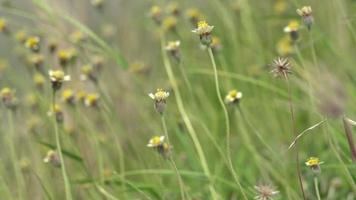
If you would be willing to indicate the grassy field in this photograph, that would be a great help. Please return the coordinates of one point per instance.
(190, 100)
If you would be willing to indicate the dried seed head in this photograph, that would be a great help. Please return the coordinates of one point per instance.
(281, 67)
(265, 192)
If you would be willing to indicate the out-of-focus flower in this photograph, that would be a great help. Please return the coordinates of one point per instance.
(194, 16)
(68, 96)
(292, 29)
(91, 100)
(285, 46)
(173, 49)
(57, 77)
(24, 164)
(156, 14)
(169, 23)
(173, 9)
(108, 30)
(281, 67)
(98, 3)
(80, 96)
(280, 6)
(32, 101)
(39, 80)
(139, 67)
(52, 157)
(77, 37)
(66, 56)
(57, 111)
(314, 164)
(160, 100)
(52, 45)
(21, 36)
(88, 73)
(3, 26)
(8, 98)
(265, 192)
(233, 97)
(204, 31)
(98, 62)
(3, 66)
(33, 43)
(36, 60)
(216, 44)
(307, 15)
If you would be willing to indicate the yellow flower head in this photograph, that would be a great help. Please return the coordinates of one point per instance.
(173, 45)
(156, 141)
(203, 28)
(169, 23)
(6, 92)
(91, 100)
(21, 36)
(155, 11)
(58, 76)
(68, 95)
(33, 43)
(304, 11)
(313, 162)
(3, 24)
(160, 95)
(293, 26)
(233, 97)
(38, 79)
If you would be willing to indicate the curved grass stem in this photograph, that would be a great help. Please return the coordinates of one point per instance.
(11, 138)
(186, 119)
(174, 166)
(67, 187)
(227, 122)
(299, 174)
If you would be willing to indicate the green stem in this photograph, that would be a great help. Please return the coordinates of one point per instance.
(180, 180)
(227, 123)
(299, 174)
(11, 138)
(316, 187)
(186, 119)
(67, 187)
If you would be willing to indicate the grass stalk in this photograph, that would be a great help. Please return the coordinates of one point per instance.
(295, 134)
(227, 123)
(174, 166)
(186, 119)
(67, 186)
(11, 140)
(316, 186)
